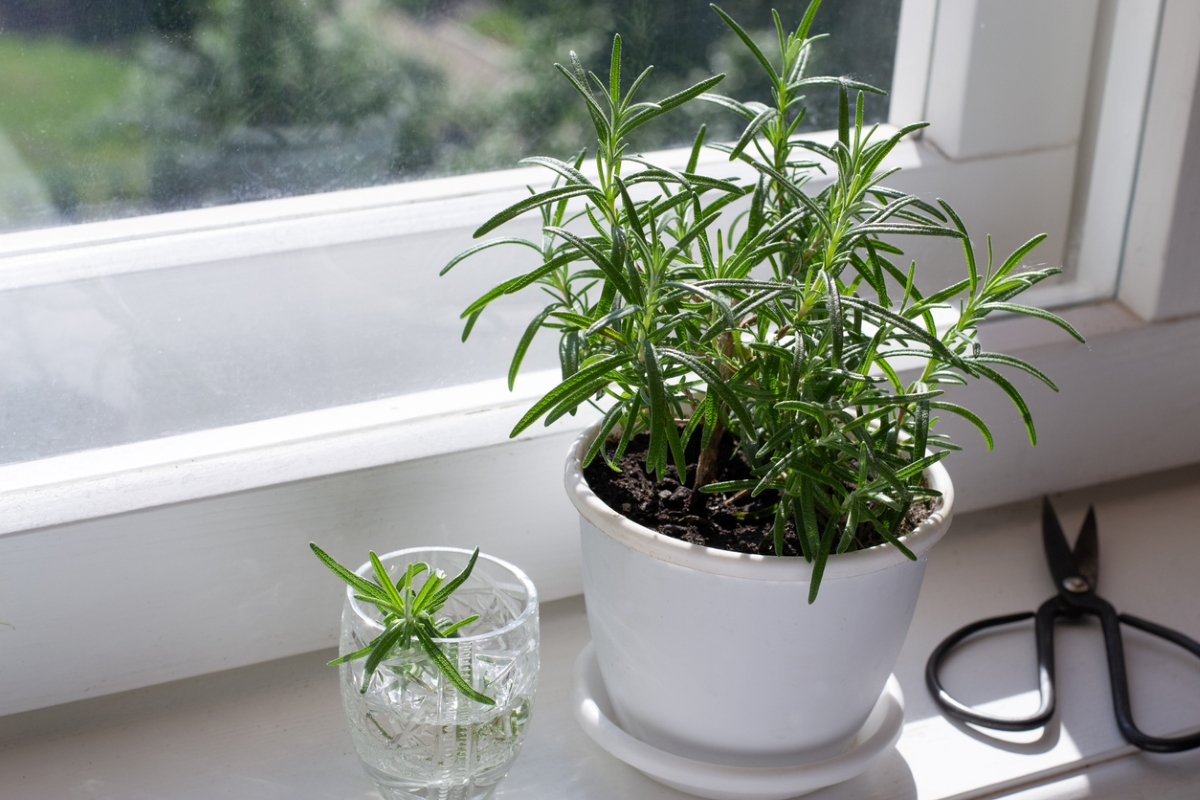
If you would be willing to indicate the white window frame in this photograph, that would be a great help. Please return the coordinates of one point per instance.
(358, 475)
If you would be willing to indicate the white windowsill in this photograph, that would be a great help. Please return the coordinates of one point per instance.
(275, 729)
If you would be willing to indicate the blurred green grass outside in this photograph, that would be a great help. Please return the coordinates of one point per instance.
(53, 95)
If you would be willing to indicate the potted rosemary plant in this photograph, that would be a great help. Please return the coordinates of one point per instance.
(765, 439)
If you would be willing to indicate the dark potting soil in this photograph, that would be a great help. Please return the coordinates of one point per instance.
(733, 521)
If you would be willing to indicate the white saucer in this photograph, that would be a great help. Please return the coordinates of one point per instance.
(589, 700)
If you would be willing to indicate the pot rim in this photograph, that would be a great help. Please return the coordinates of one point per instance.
(746, 565)
(531, 596)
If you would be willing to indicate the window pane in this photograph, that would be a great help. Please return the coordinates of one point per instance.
(114, 108)
(143, 355)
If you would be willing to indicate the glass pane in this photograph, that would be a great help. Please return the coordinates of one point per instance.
(115, 108)
(143, 355)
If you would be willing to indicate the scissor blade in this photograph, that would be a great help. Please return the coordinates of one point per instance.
(1087, 549)
(1058, 553)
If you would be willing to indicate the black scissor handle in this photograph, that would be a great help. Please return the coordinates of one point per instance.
(1044, 631)
(1115, 650)
(1110, 623)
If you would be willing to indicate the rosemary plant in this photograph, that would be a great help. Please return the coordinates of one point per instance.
(779, 324)
(409, 624)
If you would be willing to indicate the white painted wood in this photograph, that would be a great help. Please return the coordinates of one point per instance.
(179, 590)
(434, 216)
(910, 73)
(175, 469)
(1124, 84)
(1126, 400)
(1008, 75)
(276, 730)
(984, 193)
(1011, 333)
(1159, 275)
(1180, 294)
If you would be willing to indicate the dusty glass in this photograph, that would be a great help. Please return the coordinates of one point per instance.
(416, 735)
(118, 108)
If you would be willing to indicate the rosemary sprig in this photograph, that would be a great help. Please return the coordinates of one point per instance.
(408, 615)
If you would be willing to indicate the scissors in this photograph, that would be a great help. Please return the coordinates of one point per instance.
(1074, 574)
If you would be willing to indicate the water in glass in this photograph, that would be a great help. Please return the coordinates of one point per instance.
(416, 735)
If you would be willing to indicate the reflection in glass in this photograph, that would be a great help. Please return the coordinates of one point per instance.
(117, 108)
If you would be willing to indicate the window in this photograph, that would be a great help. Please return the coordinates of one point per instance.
(119, 109)
(133, 336)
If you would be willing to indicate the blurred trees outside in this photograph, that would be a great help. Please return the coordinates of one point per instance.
(122, 107)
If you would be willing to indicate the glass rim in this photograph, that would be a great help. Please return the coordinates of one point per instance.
(531, 600)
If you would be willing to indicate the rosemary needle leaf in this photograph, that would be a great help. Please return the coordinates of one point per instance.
(363, 586)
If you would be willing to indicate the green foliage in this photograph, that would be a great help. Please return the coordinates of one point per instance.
(268, 63)
(272, 98)
(176, 17)
(408, 613)
(779, 324)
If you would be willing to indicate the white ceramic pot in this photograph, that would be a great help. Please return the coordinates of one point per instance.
(717, 656)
